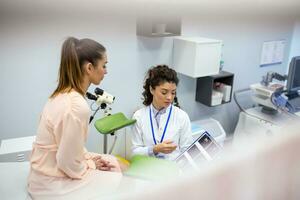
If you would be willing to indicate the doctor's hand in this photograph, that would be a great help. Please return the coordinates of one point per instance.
(102, 164)
(165, 147)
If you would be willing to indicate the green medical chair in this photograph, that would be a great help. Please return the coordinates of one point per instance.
(110, 124)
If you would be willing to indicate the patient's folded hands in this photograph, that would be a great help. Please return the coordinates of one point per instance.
(102, 165)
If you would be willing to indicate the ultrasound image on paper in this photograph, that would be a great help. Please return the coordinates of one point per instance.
(205, 148)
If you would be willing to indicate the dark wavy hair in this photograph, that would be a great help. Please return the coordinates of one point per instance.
(155, 76)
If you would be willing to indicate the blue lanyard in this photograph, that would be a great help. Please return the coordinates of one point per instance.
(153, 136)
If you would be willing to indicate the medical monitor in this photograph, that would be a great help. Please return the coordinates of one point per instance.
(293, 80)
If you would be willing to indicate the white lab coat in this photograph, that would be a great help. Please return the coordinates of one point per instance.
(178, 130)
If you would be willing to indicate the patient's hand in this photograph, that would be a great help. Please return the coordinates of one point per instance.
(165, 147)
(102, 164)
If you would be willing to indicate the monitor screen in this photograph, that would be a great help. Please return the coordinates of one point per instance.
(293, 80)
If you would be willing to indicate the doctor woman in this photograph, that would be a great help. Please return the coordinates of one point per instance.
(162, 129)
(60, 165)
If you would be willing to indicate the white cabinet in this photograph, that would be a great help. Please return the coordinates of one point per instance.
(196, 57)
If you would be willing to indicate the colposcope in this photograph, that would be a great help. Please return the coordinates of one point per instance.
(110, 122)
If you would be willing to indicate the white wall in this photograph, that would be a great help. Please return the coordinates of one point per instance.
(30, 53)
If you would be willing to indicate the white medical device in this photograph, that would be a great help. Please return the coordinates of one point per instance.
(103, 97)
(265, 90)
(110, 122)
(262, 95)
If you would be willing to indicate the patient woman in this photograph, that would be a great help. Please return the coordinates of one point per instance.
(60, 164)
(162, 129)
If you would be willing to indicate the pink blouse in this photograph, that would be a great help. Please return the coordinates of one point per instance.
(58, 154)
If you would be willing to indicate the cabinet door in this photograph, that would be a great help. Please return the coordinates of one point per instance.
(207, 61)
